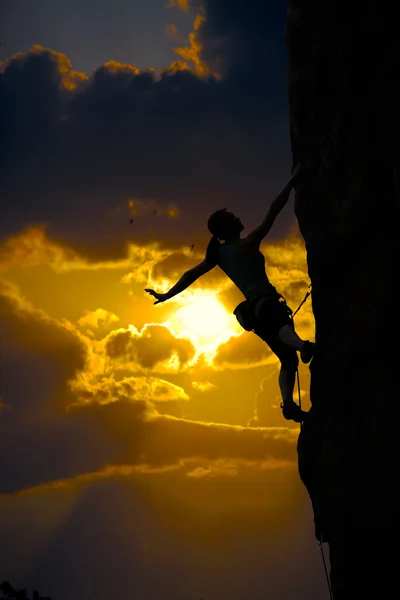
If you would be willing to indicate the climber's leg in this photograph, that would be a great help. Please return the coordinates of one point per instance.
(287, 375)
(289, 337)
(272, 319)
(286, 380)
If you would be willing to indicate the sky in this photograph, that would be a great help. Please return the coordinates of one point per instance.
(143, 448)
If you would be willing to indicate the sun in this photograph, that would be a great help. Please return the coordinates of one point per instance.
(206, 318)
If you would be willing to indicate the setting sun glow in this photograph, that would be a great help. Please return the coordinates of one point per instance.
(205, 317)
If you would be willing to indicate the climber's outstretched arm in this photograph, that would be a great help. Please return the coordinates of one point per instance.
(257, 235)
(187, 279)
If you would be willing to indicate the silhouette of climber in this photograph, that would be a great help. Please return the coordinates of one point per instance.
(265, 311)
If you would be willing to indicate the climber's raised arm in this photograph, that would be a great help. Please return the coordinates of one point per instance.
(190, 276)
(257, 235)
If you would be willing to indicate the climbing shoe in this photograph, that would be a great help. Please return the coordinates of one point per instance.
(293, 412)
(308, 352)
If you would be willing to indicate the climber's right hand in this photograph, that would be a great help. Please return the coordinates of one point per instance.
(157, 296)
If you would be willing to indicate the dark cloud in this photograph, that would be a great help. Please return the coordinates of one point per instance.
(172, 266)
(38, 355)
(165, 535)
(75, 150)
(246, 350)
(243, 41)
(155, 344)
(175, 264)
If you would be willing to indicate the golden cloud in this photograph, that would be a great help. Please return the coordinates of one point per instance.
(192, 52)
(32, 248)
(286, 265)
(154, 347)
(175, 67)
(243, 352)
(210, 441)
(108, 422)
(218, 468)
(181, 4)
(170, 265)
(70, 80)
(146, 390)
(265, 409)
(94, 318)
(202, 386)
(114, 66)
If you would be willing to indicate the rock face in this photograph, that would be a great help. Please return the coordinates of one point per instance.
(344, 93)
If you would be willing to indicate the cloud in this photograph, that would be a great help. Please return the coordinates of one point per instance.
(155, 346)
(181, 4)
(120, 169)
(66, 417)
(192, 52)
(168, 269)
(217, 469)
(150, 395)
(96, 317)
(242, 352)
(91, 436)
(265, 405)
(173, 266)
(38, 354)
(240, 41)
(180, 142)
(202, 386)
(68, 79)
(33, 247)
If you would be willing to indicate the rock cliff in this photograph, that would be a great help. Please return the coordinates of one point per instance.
(344, 94)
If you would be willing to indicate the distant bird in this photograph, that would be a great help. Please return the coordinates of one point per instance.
(131, 221)
(191, 247)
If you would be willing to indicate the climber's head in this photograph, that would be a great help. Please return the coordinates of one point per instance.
(225, 225)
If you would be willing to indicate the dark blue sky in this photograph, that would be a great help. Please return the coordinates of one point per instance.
(92, 33)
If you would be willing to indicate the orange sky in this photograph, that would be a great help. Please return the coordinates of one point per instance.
(135, 392)
(143, 446)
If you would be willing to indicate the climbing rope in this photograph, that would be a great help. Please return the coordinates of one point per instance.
(302, 302)
(297, 370)
(320, 541)
(325, 569)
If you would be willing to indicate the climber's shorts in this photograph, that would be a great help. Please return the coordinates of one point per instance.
(271, 315)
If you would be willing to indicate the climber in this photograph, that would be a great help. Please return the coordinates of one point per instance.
(264, 311)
